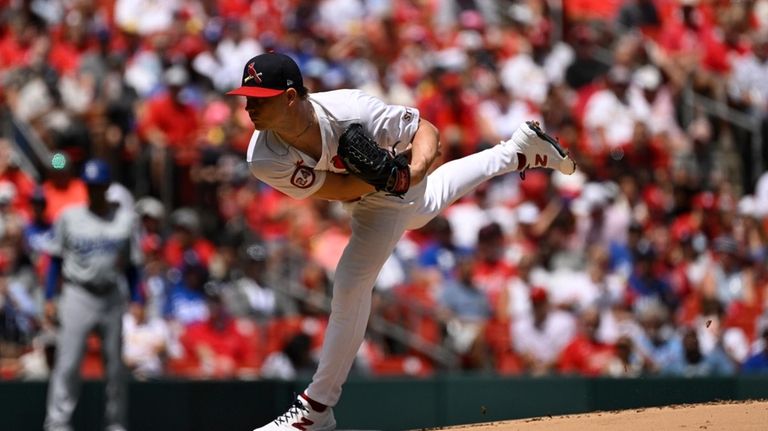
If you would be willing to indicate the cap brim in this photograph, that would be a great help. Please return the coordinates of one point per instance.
(255, 92)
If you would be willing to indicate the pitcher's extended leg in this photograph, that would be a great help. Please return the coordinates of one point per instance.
(529, 147)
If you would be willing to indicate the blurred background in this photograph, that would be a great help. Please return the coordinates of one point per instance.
(650, 261)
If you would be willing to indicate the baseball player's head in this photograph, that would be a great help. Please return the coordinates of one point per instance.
(59, 170)
(271, 83)
(97, 177)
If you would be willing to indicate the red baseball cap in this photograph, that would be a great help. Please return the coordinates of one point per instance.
(268, 75)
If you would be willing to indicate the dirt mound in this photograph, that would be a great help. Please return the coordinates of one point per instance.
(721, 416)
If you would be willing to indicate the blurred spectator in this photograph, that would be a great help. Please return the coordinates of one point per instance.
(540, 337)
(530, 224)
(61, 188)
(491, 273)
(11, 222)
(11, 172)
(186, 238)
(37, 233)
(688, 360)
(607, 132)
(523, 78)
(501, 113)
(627, 362)
(146, 343)
(186, 297)
(219, 346)
(294, 360)
(328, 244)
(621, 257)
(529, 274)
(748, 92)
(170, 127)
(440, 252)
(648, 282)
(156, 276)
(224, 264)
(144, 17)
(586, 354)
(655, 341)
(247, 295)
(452, 108)
(724, 278)
(151, 213)
(234, 45)
(652, 103)
(687, 39)
(640, 14)
(589, 208)
(474, 211)
(466, 310)
(586, 67)
(37, 362)
(16, 320)
(758, 362)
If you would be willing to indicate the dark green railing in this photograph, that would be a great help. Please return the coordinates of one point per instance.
(381, 404)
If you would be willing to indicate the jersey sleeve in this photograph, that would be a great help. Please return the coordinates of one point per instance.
(389, 124)
(55, 246)
(295, 180)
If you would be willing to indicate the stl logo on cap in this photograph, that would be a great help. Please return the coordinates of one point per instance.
(268, 75)
(252, 74)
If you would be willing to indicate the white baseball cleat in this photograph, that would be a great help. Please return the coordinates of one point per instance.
(536, 149)
(301, 416)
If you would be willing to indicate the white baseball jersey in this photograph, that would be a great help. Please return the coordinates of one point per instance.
(378, 220)
(298, 175)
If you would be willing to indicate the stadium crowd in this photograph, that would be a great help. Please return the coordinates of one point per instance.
(650, 260)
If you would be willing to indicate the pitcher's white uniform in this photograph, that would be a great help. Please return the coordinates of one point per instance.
(377, 221)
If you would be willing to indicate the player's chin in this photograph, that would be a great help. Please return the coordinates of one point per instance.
(258, 126)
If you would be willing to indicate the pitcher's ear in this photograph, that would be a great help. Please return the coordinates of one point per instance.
(291, 94)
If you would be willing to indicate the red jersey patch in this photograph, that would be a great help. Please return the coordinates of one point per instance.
(337, 163)
(303, 177)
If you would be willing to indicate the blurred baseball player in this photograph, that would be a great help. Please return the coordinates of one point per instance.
(95, 254)
(349, 146)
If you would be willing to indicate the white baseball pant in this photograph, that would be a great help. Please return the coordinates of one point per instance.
(378, 221)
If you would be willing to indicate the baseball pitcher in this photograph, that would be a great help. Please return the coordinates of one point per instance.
(349, 146)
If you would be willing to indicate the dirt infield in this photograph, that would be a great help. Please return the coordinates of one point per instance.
(724, 416)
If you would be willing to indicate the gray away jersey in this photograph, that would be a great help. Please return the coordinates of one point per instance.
(95, 250)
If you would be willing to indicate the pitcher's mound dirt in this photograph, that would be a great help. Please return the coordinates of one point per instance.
(722, 416)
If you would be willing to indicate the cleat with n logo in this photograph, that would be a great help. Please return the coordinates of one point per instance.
(303, 424)
(302, 417)
(536, 149)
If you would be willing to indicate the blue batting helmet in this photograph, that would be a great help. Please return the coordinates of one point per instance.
(96, 172)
